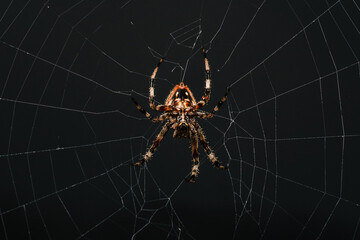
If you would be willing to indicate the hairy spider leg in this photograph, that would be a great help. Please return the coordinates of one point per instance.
(155, 144)
(220, 103)
(213, 159)
(164, 108)
(207, 92)
(204, 115)
(205, 99)
(194, 143)
(161, 118)
(152, 104)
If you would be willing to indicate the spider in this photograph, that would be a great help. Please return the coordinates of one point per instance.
(179, 111)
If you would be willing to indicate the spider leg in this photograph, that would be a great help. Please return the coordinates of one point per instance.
(194, 141)
(161, 118)
(152, 89)
(213, 159)
(155, 144)
(216, 108)
(205, 99)
(220, 103)
(207, 93)
(164, 108)
(198, 114)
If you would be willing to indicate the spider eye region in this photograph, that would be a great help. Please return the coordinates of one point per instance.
(182, 94)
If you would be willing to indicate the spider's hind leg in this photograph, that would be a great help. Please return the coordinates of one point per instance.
(155, 145)
(213, 159)
(194, 141)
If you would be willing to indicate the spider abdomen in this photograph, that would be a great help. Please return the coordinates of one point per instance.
(182, 130)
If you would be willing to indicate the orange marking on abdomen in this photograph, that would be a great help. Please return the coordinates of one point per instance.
(186, 104)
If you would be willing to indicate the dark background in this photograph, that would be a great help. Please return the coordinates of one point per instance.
(289, 131)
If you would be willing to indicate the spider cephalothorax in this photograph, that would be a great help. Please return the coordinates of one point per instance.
(179, 111)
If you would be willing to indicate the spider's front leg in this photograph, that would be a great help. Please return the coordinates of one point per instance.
(155, 144)
(153, 106)
(205, 99)
(195, 153)
(152, 89)
(207, 93)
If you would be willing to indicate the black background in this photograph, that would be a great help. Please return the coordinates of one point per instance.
(289, 131)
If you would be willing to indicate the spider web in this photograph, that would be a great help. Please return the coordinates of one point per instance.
(289, 130)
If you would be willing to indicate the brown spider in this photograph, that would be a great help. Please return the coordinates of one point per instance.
(180, 110)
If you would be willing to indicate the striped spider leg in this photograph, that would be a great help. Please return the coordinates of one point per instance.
(155, 144)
